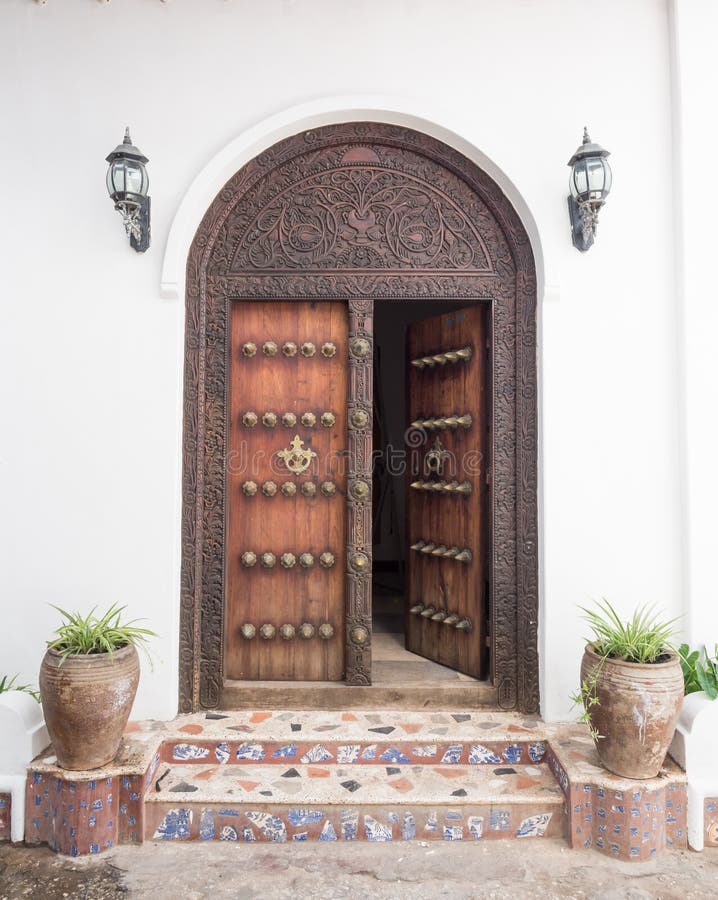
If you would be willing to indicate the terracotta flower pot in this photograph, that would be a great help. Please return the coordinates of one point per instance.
(87, 700)
(637, 710)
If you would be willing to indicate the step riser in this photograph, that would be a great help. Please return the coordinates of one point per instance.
(167, 821)
(327, 752)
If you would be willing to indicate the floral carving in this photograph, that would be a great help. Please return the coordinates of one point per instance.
(360, 217)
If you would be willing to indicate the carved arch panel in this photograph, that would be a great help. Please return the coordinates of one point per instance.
(361, 212)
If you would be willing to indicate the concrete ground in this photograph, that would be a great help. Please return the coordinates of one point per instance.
(495, 870)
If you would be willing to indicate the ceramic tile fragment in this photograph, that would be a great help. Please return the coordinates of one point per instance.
(512, 753)
(425, 750)
(375, 831)
(453, 833)
(304, 816)
(534, 826)
(189, 751)
(174, 826)
(369, 752)
(479, 754)
(476, 826)
(408, 827)
(403, 785)
(260, 717)
(300, 836)
(453, 754)
(192, 729)
(318, 753)
(393, 754)
(206, 825)
(221, 752)
(227, 833)
(288, 751)
(348, 753)
(431, 822)
(499, 820)
(255, 752)
(327, 832)
(349, 824)
(271, 826)
(537, 751)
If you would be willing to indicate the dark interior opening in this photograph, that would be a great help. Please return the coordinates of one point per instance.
(389, 539)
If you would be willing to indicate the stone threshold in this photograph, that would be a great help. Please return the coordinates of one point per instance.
(285, 775)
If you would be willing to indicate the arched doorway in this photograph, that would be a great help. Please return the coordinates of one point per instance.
(357, 214)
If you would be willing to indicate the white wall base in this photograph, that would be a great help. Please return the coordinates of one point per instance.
(693, 748)
(24, 735)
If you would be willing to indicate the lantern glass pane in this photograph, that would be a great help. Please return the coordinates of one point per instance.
(135, 178)
(608, 177)
(579, 180)
(109, 181)
(596, 174)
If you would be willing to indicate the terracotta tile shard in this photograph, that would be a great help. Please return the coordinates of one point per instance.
(522, 782)
(450, 772)
(315, 772)
(260, 716)
(249, 785)
(517, 728)
(410, 727)
(131, 727)
(402, 785)
(192, 729)
(348, 717)
(206, 773)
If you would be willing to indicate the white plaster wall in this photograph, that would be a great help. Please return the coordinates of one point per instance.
(90, 353)
(695, 31)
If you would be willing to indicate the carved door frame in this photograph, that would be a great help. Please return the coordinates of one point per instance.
(252, 244)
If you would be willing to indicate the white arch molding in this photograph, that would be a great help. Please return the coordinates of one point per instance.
(410, 113)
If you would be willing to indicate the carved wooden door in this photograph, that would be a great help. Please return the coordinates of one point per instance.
(447, 502)
(286, 508)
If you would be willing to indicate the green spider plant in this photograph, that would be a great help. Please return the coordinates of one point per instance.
(644, 638)
(80, 635)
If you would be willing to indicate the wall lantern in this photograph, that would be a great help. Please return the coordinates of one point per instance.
(590, 183)
(127, 184)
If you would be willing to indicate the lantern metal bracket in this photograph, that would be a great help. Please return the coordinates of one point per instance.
(584, 222)
(136, 219)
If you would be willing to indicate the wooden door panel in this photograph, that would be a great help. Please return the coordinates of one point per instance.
(449, 518)
(281, 523)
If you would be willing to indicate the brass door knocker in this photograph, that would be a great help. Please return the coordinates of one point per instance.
(297, 457)
(434, 459)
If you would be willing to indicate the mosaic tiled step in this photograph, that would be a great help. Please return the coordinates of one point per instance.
(333, 802)
(343, 752)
